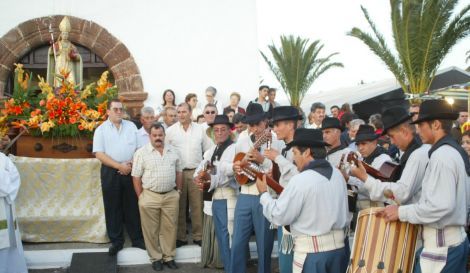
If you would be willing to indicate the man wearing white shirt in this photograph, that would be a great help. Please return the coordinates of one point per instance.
(316, 116)
(222, 184)
(407, 188)
(210, 111)
(248, 212)
(169, 116)
(147, 117)
(189, 138)
(314, 205)
(372, 154)
(284, 119)
(442, 209)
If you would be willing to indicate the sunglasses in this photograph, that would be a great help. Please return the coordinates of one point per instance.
(210, 112)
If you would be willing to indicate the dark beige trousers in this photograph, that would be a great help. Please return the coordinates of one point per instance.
(159, 214)
(193, 195)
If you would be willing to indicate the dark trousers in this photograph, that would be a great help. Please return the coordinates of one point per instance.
(120, 206)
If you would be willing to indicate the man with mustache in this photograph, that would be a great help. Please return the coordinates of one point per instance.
(156, 174)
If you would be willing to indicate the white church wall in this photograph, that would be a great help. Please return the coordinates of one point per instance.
(180, 44)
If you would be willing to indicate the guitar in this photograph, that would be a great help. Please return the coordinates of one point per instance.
(204, 176)
(352, 194)
(242, 177)
(386, 172)
(253, 172)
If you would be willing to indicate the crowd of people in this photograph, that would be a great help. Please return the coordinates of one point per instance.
(206, 176)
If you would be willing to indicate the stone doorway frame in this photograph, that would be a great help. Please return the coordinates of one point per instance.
(35, 32)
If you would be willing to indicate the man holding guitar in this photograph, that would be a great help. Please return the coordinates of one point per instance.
(372, 154)
(318, 232)
(248, 211)
(407, 189)
(284, 119)
(222, 184)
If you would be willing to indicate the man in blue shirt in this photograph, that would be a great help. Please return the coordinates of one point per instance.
(114, 144)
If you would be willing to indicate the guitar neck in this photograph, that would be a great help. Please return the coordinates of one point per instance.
(271, 183)
(371, 170)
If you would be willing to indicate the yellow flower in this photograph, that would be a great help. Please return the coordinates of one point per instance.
(19, 69)
(87, 92)
(45, 87)
(46, 126)
(103, 79)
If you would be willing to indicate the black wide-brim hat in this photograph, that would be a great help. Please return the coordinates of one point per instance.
(365, 133)
(285, 113)
(221, 119)
(329, 122)
(393, 117)
(435, 109)
(254, 113)
(307, 138)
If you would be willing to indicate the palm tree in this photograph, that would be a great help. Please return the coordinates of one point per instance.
(423, 33)
(297, 65)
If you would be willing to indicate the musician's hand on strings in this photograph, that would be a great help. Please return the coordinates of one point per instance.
(271, 154)
(344, 173)
(359, 171)
(236, 167)
(197, 180)
(390, 213)
(255, 156)
(262, 185)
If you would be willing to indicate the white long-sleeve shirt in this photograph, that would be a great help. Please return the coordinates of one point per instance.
(311, 204)
(335, 157)
(223, 176)
(443, 200)
(243, 145)
(286, 167)
(363, 194)
(190, 143)
(408, 188)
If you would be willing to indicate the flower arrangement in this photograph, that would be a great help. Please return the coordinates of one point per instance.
(57, 112)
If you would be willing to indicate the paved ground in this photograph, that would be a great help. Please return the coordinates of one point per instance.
(183, 268)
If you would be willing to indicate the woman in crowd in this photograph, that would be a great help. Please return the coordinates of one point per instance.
(168, 99)
(234, 104)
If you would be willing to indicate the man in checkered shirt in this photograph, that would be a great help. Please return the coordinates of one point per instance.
(158, 179)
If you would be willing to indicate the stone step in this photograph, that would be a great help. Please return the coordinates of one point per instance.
(57, 258)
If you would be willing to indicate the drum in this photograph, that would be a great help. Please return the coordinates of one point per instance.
(382, 247)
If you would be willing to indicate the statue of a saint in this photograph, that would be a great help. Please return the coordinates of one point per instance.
(64, 56)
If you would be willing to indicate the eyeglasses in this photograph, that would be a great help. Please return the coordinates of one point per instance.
(115, 110)
(210, 112)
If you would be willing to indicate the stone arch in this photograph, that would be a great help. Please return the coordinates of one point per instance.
(33, 33)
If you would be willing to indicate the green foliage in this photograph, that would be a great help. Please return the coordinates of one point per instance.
(297, 65)
(424, 31)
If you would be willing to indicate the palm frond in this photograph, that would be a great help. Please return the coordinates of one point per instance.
(296, 65)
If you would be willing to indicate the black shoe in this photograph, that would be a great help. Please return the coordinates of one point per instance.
(114, 249)
(180, 243)
(198, 242)
(171, 264)
(140, 245)
(157, 266)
